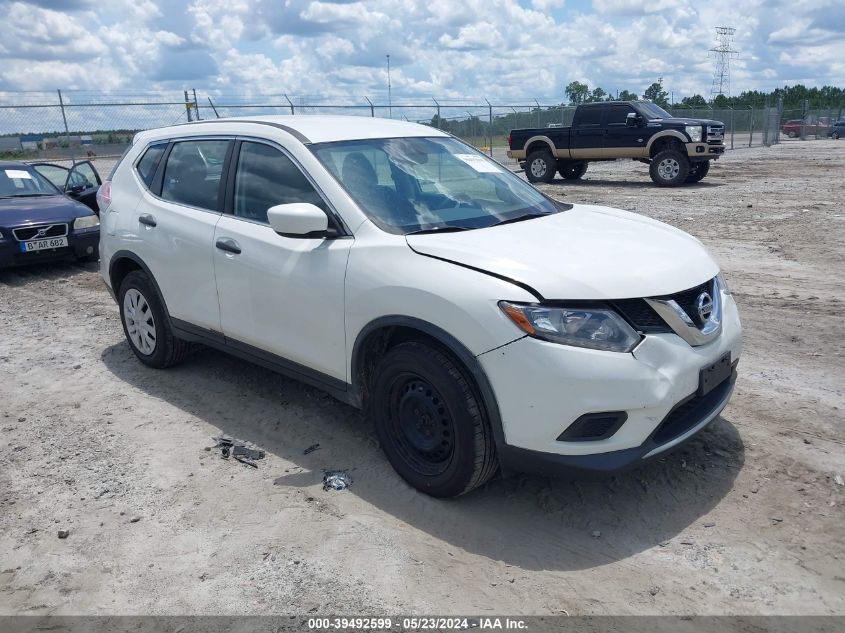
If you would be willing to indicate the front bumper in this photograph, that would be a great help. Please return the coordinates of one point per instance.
(541, 388)
(80, 244)
(704, 150)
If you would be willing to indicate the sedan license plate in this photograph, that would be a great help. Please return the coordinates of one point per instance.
(713, 375)
(43, 245)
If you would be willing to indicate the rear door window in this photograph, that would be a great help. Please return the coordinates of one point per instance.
(590, 115)
(192, 173)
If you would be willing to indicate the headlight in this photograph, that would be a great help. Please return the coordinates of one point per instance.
(723, 284)
(86, 222)
(694, 133)
(595, 328)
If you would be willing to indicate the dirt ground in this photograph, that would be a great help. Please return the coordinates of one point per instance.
(747, 519)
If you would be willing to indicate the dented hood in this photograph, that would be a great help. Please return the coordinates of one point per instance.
(587, 252)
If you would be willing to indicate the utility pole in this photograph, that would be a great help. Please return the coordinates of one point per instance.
(389, 96)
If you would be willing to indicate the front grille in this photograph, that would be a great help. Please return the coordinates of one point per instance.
(643, 317)
(32, 232)
(715, 134)
(692, 411)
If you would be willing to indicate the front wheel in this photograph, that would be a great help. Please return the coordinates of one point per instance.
(697, 171)
(540, 166)
(430, 423)
(835, 136)
(571, 171)
(669, 168)
(792, 134)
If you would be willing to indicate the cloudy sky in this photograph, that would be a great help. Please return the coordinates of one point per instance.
(499, 49)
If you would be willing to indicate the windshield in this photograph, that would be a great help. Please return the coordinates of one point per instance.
(407, 185)
(652, 111)
(23, 181)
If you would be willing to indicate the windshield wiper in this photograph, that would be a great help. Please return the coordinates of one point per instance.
(30, 195)
(520, 218)
(440, 229)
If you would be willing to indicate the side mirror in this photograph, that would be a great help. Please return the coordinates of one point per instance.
(298, 219)
(632, 119)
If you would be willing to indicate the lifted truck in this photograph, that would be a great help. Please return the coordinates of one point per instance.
(678, 150)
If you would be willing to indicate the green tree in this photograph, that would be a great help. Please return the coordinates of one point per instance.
(656, 94)
(597, 95)
(695, 101)
(627, 96)
(577, 92)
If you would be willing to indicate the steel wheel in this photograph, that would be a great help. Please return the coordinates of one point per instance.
(668, 168)
(139, 321)
(421, 425)
(539, 168)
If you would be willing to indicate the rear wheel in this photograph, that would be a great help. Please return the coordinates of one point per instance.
(698, 170)
(669, 168)
(540, 166)
(146, 324)
(571, 170)
(835, 135)
(792, 134)
(430, 423)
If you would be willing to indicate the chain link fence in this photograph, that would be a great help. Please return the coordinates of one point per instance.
(78, 124)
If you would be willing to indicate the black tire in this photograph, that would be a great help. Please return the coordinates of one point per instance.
(835, 136)
(429, 421)
(571, 171)
(792, 134)
(697, 171)
(540, 166)
(166, 349)
(669, 168)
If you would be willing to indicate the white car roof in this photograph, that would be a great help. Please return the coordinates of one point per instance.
(312, 128)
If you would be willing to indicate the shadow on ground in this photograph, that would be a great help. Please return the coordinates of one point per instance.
(530, 522)
(634, 184)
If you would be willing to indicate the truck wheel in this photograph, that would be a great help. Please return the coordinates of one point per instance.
(835, 136)
(669, 168)
(429, 421)
(698, 170)
(540, 166)
(571, 171)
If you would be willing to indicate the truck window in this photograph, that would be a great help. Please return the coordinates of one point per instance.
(617, 114)
(589, 115)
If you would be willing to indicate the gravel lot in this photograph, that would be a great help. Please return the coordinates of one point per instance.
(748, 519)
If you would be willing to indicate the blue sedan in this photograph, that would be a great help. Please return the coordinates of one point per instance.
(38, 222)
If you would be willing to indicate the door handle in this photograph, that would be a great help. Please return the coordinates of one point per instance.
(147, 220)
(229, 245)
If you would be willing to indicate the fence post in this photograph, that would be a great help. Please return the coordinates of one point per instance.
(438, 110)
(196, 105)
(751, 126)
(372, 108)
(187, 106)
(292, 111)
(211, 103)
(538, 112)
(732, 128)
(490, 120)
(67, 131)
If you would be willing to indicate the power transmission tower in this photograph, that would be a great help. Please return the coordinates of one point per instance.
(722, 53)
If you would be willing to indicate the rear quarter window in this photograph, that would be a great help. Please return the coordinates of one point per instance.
(146, 167)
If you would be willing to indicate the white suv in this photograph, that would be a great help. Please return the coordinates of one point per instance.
(483, 325)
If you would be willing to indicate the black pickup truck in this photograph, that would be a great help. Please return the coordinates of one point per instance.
(678, 150)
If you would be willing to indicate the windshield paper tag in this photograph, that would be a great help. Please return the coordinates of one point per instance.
(18, 173)
(478, 163)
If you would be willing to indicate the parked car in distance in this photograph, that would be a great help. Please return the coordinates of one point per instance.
(793, 128)
(837, 130)
(80, 181)
(484, 326)
(38, 222)
(677, 150)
